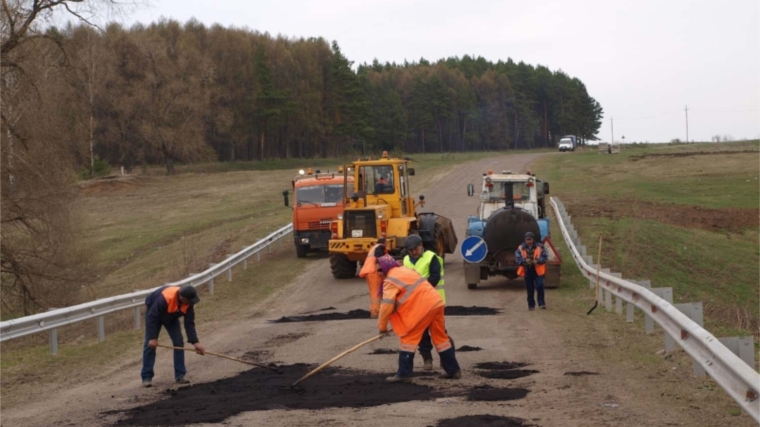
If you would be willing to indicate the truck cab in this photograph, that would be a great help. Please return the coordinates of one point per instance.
(318, 200)
(568, 143)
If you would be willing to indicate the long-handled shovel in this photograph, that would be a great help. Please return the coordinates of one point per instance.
(326, 364)
(225, 357)
(598, 270)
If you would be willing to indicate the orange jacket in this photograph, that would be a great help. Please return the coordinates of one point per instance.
(374, 279)
(540, 268)
(407, 299)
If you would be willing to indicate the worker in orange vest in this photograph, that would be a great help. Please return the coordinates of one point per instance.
(412, 306)
(374, 278)
(531, 257)
(165, 306)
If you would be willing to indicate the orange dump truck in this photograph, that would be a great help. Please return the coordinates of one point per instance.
(318, 201)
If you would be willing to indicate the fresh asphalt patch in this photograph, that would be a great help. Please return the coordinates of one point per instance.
(500, 365)
(453, 310)
(581, 373)
(496, 394)
(383, 351)
(507, 375)
(261, 390)
(483, 421)
(468, 348)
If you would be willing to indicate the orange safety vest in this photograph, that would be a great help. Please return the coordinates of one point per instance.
(374, 281)
(171, 295)
(415, 299)
(540, 268)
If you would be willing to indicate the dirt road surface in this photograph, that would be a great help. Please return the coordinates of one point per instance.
(597, 394)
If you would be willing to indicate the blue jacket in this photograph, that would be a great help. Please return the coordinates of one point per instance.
(158, 314)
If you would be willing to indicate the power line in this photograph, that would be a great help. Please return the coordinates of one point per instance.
(686, 109)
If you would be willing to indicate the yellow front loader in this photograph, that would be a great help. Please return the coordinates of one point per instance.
(379, 208)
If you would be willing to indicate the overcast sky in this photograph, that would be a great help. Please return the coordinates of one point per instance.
(642, 60)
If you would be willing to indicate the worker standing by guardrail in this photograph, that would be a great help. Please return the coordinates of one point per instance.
(531, 257)
(165, 306)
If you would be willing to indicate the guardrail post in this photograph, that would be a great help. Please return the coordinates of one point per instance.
(582, 250)
(607, 294)
(618, 300)
(211, 286)
(694, 311)
(744, 347)
(137, 317)
(667, 295)
(269, 247)
(101, 328)
(648, 322)
(629, 309)
(53, 338)
(245, 264)
(258, 255)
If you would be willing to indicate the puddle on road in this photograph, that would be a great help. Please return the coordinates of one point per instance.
(483, 421)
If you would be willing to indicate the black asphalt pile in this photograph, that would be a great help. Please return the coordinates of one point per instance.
(454, 310)
(353, 314)
(384, 351)
(468, 348)
(504, 370)
(581, 373)
(261, 390)
(500, 365)
(495, 394)
(458, 310)
(483, 421)
(507, 375)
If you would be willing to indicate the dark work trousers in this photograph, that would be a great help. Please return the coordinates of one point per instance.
(426, 345)
(149, 354)
(534, 284)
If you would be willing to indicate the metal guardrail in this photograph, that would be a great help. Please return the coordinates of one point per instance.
(739, 380)
(57, 318)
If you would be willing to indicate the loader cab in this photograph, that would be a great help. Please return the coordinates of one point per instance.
(384, 181)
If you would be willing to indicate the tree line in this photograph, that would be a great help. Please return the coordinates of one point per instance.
(79, 98)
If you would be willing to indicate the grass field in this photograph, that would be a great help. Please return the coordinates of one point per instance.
(684, 216)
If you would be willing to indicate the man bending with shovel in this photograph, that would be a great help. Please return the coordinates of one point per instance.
(412, 306)
(165, 306)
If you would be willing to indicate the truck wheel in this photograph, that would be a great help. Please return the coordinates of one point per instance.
(342, 267)
(472, 286)
(302, 251)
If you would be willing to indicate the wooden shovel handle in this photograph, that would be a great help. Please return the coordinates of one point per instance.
(324, 365)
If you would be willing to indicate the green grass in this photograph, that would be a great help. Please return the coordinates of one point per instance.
(719, 268)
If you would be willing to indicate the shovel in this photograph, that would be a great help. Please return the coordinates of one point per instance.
(326, 364)
(225, 357)
(598, 270)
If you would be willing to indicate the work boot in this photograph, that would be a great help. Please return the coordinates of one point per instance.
(427, 360)
(455, 376)
(147, 383)
(405, 364)
(182, 380)
(449, 362)
(398, 379)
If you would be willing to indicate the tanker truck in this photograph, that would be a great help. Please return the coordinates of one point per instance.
(510, 206)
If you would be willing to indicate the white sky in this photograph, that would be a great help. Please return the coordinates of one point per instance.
(642, 60)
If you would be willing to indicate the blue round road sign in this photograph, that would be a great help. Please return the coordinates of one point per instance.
(474, 249)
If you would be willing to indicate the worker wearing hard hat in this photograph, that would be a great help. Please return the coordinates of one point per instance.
(165, 306)
(374, 277)
(430, 266)
(531, 258)
(412, 305)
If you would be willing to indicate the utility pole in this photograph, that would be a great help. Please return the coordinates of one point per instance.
(612, 130)
(686, 109)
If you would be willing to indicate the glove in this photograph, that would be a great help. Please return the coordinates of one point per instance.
(385, 333)
(528, 262)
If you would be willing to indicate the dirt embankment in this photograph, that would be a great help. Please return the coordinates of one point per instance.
(735, 220)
